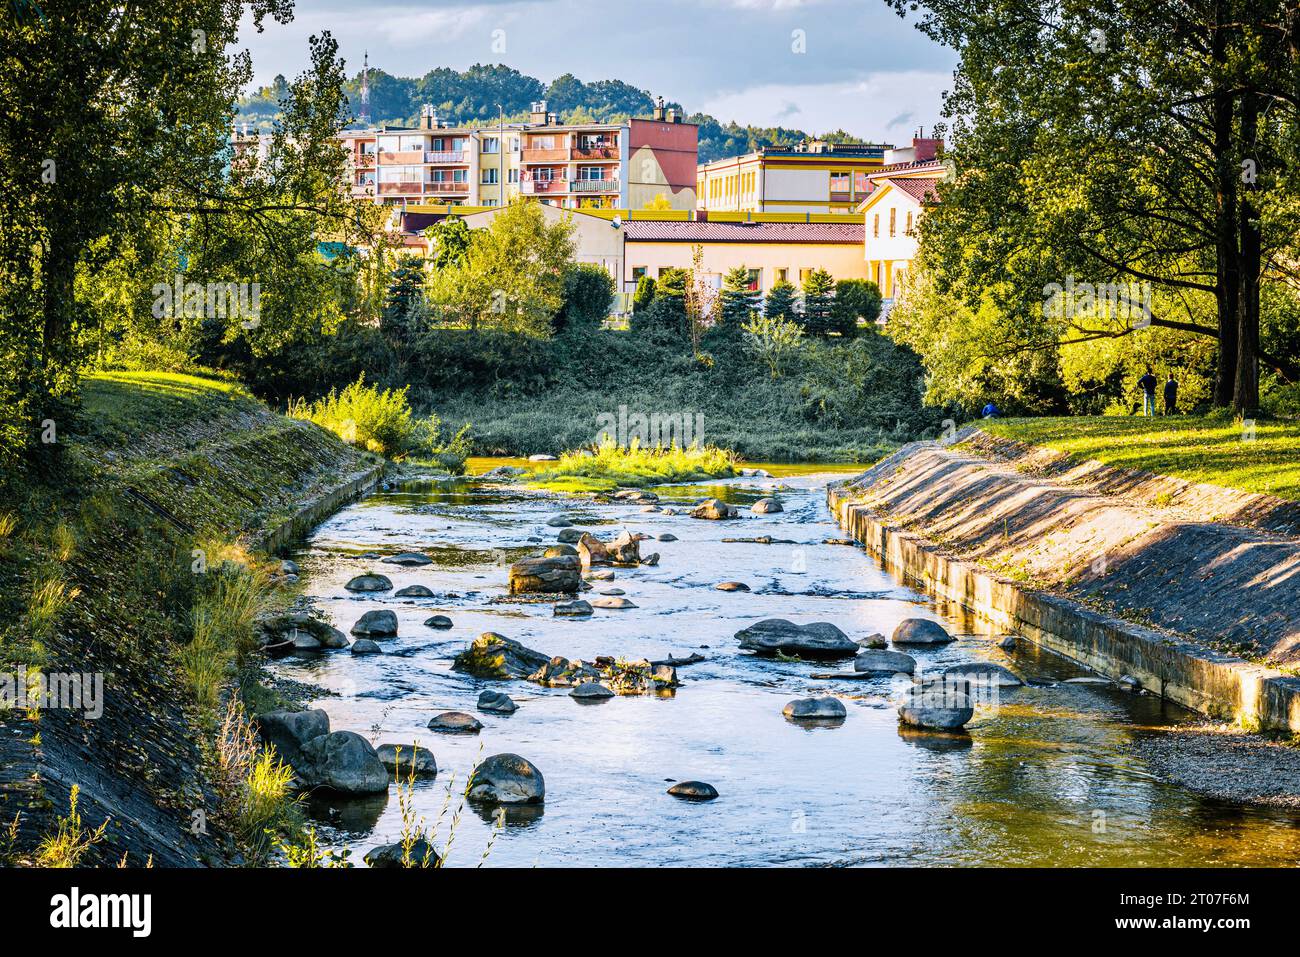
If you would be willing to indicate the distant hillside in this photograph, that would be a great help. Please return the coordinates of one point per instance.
(479, 94)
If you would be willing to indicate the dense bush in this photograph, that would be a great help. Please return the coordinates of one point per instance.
(588, 295)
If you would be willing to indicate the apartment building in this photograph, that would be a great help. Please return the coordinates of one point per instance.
(812, 177)
(897, 197)
(573, 166)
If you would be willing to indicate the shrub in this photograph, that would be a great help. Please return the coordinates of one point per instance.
(856, 300)
(588, 295)
(378, 420)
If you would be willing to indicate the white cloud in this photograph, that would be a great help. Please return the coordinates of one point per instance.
(880, 107)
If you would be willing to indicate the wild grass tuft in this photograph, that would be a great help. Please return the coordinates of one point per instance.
(71, 840)
(229, 599)
(256, 787)
(609, 465)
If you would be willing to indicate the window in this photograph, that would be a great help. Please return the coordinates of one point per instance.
(542, 143)
(755, 282)
(460, 176)
(638, 272)
(893, 222)
(491, 144)
(512, 176)
(591, 173)
(782, 275)
(875, 227)
(841, 182)
(544, 175)
(804, 273)
(490, 174)
(907, 230)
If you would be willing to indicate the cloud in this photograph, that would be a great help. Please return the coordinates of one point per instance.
(900, 120)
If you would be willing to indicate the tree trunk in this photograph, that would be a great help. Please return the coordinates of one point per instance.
(1245, 396)
(1227, 176)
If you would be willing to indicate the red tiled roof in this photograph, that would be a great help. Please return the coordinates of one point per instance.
(920, 188)
(694, 232)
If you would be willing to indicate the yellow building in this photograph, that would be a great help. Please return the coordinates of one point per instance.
(815, 177)
(899, 194)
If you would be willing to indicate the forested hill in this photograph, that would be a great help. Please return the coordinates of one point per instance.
(474, 95)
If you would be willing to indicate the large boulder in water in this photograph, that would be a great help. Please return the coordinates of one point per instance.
(343, 761)
(625, 550)
(369, 583)
(880, 661)
(420, 854)
(939, 707)
(714, 508)
(592, 551)
(693, 791)
(376, 624)
(545, 575)
(983, 674)
(766, 506)
(289, 731)
(507, 779)
(277, 629)
(402, 759)
(455, 722)
(820, 639)
(920, 631)
(815, 709)
(408, 559)
(496, 656)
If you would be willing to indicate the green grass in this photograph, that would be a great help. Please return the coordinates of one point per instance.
(121, 408)
(609, 466)
(1196, 449)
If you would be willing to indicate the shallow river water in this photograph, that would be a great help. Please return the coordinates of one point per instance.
(1045, 776)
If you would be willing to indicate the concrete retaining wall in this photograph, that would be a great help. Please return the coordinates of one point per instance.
(1196, 677)
(313, 513)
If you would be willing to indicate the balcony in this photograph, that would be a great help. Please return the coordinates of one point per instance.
(365, 160)
(546, 156)
(595, 152)
(408, 188)
(402, 158)
(445, 156)
(445, 186)
(531, 187)
(593, 186)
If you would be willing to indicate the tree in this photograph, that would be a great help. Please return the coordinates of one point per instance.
(449, 241)
(405, 301)
(782, 300)
(644, 294)
(818, 302)
(856, 301)
(666, 315)
(772, 339)
(511, 277)
(588, 296)
(738, 301)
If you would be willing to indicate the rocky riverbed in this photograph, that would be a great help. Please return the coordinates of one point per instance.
(677, 727)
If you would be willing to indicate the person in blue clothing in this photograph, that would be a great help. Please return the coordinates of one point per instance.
(1148, 385)
(990, 411)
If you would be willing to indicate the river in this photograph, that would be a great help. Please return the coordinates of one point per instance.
(1045, 776)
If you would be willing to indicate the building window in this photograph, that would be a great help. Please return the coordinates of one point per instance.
(782, 275)
(544, 175)
(893, 222)
(804, 273)
(491, 144)
(755, 283)
(512, 175)
(875, 227)
(542, 143)
(908, 227)
(841, 182)
(637, 273)
(490, 176)
(460, 176)
(591, 174)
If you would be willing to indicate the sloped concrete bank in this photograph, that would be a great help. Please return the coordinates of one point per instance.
(1061, 566)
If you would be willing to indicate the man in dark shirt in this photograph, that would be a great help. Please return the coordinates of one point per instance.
(1148, 385)
(1171, 394)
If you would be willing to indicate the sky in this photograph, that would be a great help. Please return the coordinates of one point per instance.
(813, 64)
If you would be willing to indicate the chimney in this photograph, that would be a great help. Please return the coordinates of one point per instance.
(537, 113)
(674, 115)
(926, 149)
(428, 117)
(659, 109)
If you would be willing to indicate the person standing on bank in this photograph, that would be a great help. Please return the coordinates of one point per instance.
(1171, 395)
(1148, 385)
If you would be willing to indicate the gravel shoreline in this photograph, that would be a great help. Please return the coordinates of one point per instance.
(1224, 762)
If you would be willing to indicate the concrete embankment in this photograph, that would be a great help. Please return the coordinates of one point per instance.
(1205, 613)
(219, 476)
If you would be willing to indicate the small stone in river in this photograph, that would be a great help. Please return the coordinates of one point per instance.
(413, 591)
(455, 722)
(766, 506)
(650, 508)
(820, 639)
(652, 559)
(376, 624)
(497, 702)
(984, 674)
(559, 521)
(572, 608)
(612, 603)
(731, 586)
(920, 631)
(881, 661)
(693, 791)
(437, 621)
(507, 779)
(545, 575)
(938, 707)
(369, 583)
(364, 646)
(1008, 643)
(815, 709)
(715, 509)
(289, 568)
(670, 511)
(873, 641)
(603, 575)
(402, 759)
(592, 690)
(559, 551)
(569, 536)
(667, 537)
(421, 854)
(408, 558)
(613, 591)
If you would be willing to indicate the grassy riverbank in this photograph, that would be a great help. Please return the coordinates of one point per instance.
(609, 466)
(129, 554)
(1197, 449)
